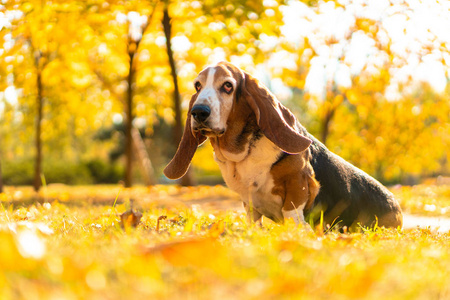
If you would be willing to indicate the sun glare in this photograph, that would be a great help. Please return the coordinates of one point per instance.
(408, 29)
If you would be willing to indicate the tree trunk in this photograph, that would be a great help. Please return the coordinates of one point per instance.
(326, 126)
(334, 103)
(144, 159)
(133, 46)
(178, 129)
(1, 178)
(38, 142)
(128, 180)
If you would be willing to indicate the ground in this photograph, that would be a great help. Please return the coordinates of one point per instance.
(194, 243)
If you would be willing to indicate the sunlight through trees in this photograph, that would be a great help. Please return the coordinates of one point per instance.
(368, 79)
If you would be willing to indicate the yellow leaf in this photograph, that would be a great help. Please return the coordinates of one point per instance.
(199, 252)
(130, 218)
(217, 229)
(9, 254)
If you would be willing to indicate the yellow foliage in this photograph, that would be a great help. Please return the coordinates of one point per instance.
(204, 159)
(82, 51)
(8, 251)
(198, 252)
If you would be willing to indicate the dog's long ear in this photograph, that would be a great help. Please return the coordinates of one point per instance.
(275, 120)
(179, 164)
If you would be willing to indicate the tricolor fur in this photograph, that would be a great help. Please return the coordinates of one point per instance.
(264, 155)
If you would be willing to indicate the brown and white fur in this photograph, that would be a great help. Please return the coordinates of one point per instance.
(271, 161)
(250, 132)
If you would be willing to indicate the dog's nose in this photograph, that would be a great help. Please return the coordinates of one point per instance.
(200, 112)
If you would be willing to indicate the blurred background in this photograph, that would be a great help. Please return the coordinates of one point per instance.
(96, 91)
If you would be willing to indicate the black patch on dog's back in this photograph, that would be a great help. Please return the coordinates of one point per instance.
(347, 194)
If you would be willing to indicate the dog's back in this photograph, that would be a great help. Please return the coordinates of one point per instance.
(348, 196)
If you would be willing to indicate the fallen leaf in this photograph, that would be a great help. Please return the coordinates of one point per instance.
(217, 229)
(130, 218)
(198, 252)
(158, 222)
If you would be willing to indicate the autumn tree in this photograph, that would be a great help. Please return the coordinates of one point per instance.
(178, 126)
(69, 69)
(1, 178)
(136, 30)
(33, 28)
(50, 76)
(131, 22)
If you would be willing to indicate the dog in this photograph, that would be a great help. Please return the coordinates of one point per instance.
(267, 157)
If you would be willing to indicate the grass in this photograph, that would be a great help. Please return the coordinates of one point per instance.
(68, 243)
(424, 199)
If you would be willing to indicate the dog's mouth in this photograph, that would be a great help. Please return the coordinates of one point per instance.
(209, 132)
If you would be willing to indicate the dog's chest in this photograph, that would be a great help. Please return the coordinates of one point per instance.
(248, 174)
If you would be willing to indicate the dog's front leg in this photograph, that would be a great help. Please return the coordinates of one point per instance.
(296, 214)
(252, 214)
(297, 196)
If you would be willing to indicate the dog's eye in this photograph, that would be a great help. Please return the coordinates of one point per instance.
(227, 87)
(198, 86)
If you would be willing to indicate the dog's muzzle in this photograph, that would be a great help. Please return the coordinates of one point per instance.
(200, 113)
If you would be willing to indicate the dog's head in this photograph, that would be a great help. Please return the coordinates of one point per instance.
(219, 89)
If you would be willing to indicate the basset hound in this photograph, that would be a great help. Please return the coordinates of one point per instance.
(268, 158)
